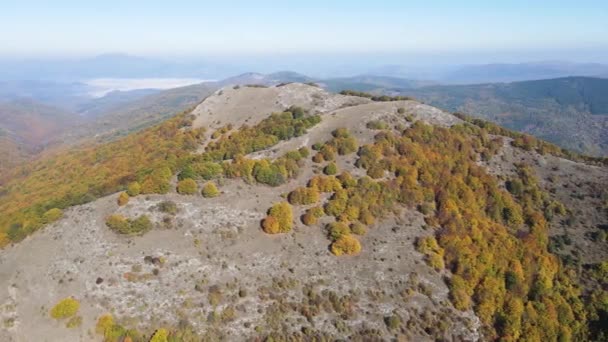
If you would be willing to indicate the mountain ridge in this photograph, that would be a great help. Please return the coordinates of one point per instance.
(398, 194)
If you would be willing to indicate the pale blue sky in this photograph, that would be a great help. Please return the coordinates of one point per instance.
(197, 28)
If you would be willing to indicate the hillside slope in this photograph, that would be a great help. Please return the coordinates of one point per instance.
(571, 112)
(33, 123)
(403, 222)
(124, 118)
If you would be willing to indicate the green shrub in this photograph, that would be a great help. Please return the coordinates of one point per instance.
(304, 195)
(210, 190)
(358, 228)
(52, 215)
(122, 225)
(187, 186)
(346, 245)
(123, 199)
(104, 323)
(269, 174)
(336, 230)
(279, 219)
(304, 152)
(140, 225)
(160, 335)
(74, 322)
(187, 172)
(157, 182)
(118, 223)
(168, 207)
(331, 169)
(377, 124)
(208, 170)
(134, 189)
(67, 307)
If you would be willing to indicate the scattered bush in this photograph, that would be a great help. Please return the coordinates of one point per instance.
(269, 173)
(117, 223)
(187, 186)
(377, 124)
(157, 182)
(429, 247)
(74, 322)
(346, 245)
(52, 215)
(167, 207)
(304, 152)
(312, 216)
(331, 169)
(325, 184)
(309, 219)
(303, 195)
(328, 152)
(160, 335)
(336, 230)
(210, 190)
(318, 158)
(377, 98)
(66, 308)
(270, 225)
(279, 219)
(123, 199)
(392, 322)
(104, 323)
(122, 225)
(358, 228)
(133, 189)
(140, 225)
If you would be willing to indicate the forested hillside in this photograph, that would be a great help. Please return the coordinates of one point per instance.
(369, 220)
(571, 112)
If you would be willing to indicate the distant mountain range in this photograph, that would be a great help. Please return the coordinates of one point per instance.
(521, 72)
(127, 66)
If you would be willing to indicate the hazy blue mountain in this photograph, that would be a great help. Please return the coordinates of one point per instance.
(265, 79)
(521, 72)
(61, 94)
(370, 83)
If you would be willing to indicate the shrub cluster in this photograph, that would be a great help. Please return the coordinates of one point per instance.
(52, 215)
(346, 245)
(122, 225)
(210, 190)
(279, 126)
(122, 199)
(304, 195)
(279, 219)
(312, 215)
(66, 308)
(187, 186)
(378, 98)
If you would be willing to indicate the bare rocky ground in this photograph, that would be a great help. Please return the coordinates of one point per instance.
(211, 264)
